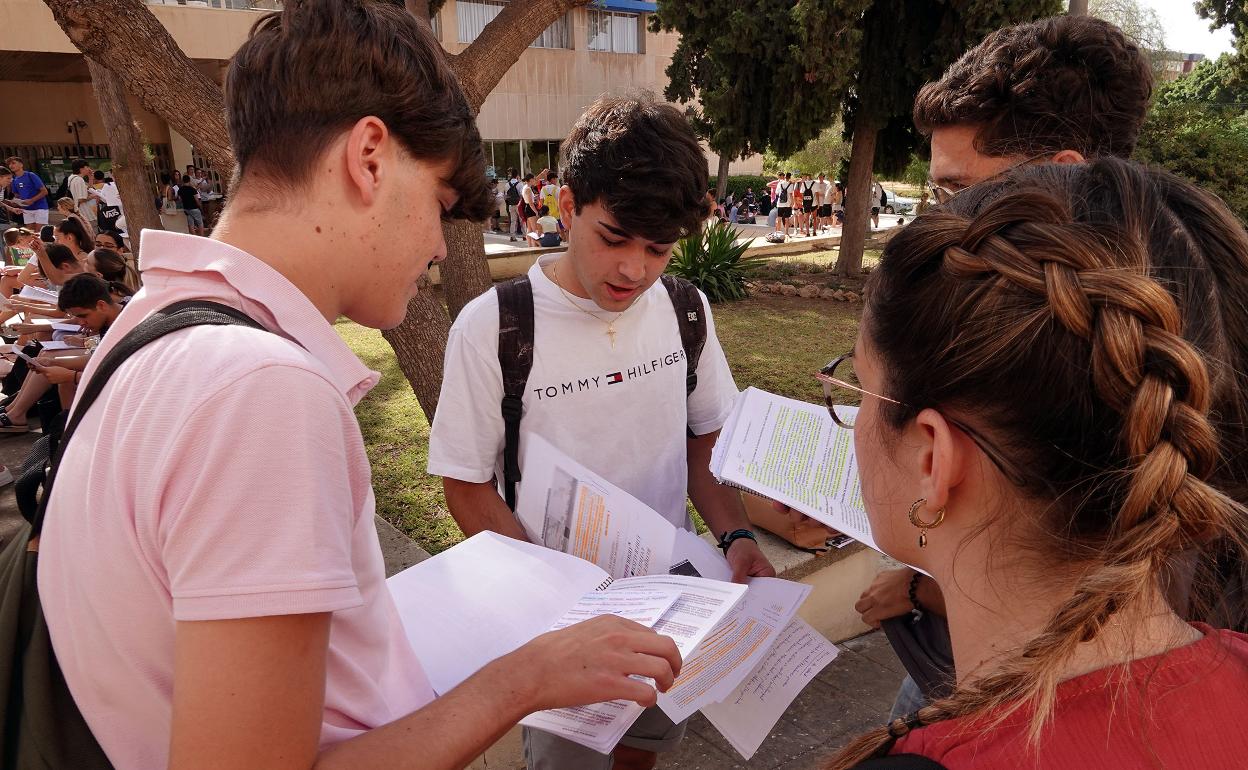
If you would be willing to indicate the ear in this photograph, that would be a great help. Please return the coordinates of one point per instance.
(567, 207)
(1068, 156)
(367, 148)
(944, 455)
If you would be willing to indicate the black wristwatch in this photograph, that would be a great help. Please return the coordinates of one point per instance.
(728, 538)
(914, 596)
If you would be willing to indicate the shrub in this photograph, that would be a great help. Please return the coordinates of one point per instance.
(714, 262)
(1206, 144)
(738, 183)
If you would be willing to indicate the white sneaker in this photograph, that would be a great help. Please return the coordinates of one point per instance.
(6, 476)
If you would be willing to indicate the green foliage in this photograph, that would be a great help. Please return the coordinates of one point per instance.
(1233, 14)
(905, 44)
(713, 261)
(918, 172)
(1206, 145)
(738, 182)
(823, 154)
(763, 74)
(1213, 81)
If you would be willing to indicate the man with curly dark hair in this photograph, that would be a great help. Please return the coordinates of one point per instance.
(1061, 89)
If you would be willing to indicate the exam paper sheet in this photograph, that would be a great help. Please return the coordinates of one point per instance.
(731, 652)
(748, 714)
(702, 605)
(570, 508)
(36, 293)
(484, 598)
(792, 452)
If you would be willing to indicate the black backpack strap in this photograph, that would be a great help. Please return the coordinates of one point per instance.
(691, 320)
(515, 359)
(175, 317)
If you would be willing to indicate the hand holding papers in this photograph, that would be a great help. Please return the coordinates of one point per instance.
(792, 452)
(490, 594)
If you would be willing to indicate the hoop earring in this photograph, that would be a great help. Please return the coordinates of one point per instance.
(924, 526)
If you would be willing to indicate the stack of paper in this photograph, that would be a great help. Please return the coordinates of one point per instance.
(792, 452)
(37, 293)
(490, 594)
(608, 553)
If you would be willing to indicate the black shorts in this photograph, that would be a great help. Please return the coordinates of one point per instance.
(808, 207)
(785, 212)
(526, 211)
(875, 211)
(825, 210)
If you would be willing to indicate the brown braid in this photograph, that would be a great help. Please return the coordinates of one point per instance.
(1030, 281)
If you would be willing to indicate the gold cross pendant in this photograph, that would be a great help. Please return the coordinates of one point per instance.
(611, 333)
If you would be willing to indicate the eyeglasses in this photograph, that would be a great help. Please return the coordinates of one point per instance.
(944, 194)
(834, 391)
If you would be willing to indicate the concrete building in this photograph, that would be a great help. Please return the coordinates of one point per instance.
(1174, 64)
(48, 112)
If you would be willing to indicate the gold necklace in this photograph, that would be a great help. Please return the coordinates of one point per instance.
(610, 324)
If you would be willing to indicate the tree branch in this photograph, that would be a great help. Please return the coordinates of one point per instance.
(152, 67)
(498, 47)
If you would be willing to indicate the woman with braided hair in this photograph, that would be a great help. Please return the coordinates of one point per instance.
(1052, 379)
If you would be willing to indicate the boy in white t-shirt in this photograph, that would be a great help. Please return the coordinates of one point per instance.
(608, 380)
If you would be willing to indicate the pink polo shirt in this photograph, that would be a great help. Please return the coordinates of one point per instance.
(221, 474)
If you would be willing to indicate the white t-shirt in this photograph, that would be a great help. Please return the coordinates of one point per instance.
(548, 224)
(781, 200)
(77, 188)
(110, 194)
(621, 412)
(821, 192)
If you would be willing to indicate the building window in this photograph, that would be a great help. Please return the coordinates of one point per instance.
(617, 32)
(557, 35)
(474, 15)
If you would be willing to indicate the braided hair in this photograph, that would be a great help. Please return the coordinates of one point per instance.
(1089, 322)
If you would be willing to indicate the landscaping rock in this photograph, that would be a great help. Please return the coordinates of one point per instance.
(788, 291)
(827, 294)
(761, 288)
(838, 295)
(808, 292)
(850, 296)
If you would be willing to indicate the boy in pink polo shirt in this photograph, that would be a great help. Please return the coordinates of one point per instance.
(209, 566)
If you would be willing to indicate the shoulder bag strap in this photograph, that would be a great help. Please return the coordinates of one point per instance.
(515, 360)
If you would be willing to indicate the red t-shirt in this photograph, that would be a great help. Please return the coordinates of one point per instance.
(1183, 709)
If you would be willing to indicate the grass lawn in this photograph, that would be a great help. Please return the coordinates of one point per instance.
(774, 343)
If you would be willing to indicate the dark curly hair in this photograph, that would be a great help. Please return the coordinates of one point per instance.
(641, 160)
(1062, 83)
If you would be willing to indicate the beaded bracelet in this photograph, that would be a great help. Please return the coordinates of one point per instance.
(914, 595)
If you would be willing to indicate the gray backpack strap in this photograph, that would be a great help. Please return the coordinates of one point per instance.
(515, 360)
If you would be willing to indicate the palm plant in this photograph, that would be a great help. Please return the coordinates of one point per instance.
(713, 261)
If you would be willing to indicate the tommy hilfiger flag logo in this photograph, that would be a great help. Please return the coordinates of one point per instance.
(615, 377)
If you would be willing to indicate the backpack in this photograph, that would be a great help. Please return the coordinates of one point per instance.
(62, 192)
(515, 356)
(43, 727)
(784, 193)
(512, 196)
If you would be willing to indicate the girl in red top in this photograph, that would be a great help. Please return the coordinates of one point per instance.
(1053, 368)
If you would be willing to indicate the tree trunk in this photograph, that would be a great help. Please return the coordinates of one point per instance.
(721, 183)
(420, 344)
(130, 167)
(857, 195)
(1078, 7)
(126, 37)
(465, 272)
